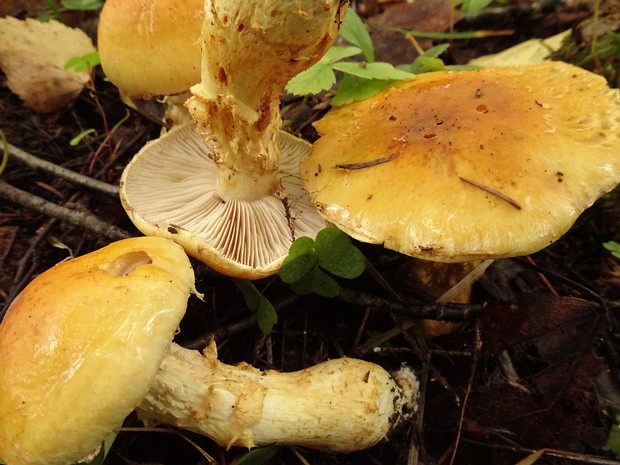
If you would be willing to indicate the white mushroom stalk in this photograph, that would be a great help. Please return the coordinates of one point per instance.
(340, 405)
(241, 216)
(89, 340)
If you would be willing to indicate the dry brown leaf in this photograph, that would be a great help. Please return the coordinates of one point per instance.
(33, 55)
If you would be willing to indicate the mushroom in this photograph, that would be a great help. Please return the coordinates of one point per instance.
(89, 340)
(466, 165)
(241, 214)
(151, 48)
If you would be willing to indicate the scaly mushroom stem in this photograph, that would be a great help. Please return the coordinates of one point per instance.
(250, 50)
(340, 405)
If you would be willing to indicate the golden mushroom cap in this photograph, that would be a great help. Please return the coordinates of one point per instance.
(81, 344)
(454, 166)
(151, 47)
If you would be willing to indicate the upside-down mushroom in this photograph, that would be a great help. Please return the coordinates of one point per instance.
(89, 340)
(466, 165)
(241, 215)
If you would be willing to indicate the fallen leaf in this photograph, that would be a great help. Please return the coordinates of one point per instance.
(528, 52)
(548, 322)
(33, 56)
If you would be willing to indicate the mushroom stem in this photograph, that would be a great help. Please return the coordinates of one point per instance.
(250, 50)
(340, 405)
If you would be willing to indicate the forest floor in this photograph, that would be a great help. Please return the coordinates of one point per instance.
(533, 362)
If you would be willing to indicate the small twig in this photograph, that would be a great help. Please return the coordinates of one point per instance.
(375, 343)
(84, 220)
(465, 283)
(5, 152)
(543, 278)
(490, 190)
(163, 429)
(435, 311)
(365, 164)
(585, 290)
(22, 275)
(250, 321)
(472, 375)
(61, 172)
(566, 455)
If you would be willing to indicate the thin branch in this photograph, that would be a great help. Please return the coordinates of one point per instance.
(472, 376)
(563, 454)
(85, 181)
(81, 219)
(30, 260)
(366, 164)
(435, 311)
(490, 190)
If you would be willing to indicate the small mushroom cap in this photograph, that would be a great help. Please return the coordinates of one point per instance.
(454, 166)
(151, 47)
(81, 344)
(170, 189)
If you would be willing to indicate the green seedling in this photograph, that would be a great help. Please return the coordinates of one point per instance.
(77, 139)
(257, 302)
(362, 79)
(613, 247)
(83, 62)
(310, 263)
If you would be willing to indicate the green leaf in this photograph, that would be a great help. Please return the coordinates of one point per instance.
(259, 456)
(376, 70)
(82, 5)
(436, 51)
(352, 89)
(301, 246)
(473, 6)
(255, 300)
(318, 282)
(613, 247)
(354, 30)
(613, 441)
(266, 315)
(249, 291)
(83, 62)
(300, 260)
(339, 52)
(424, 64)
(338, 255)
(320, 76)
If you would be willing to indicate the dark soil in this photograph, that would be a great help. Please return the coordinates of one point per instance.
(531, 363)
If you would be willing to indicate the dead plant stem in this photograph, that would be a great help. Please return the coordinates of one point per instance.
(85, 181)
